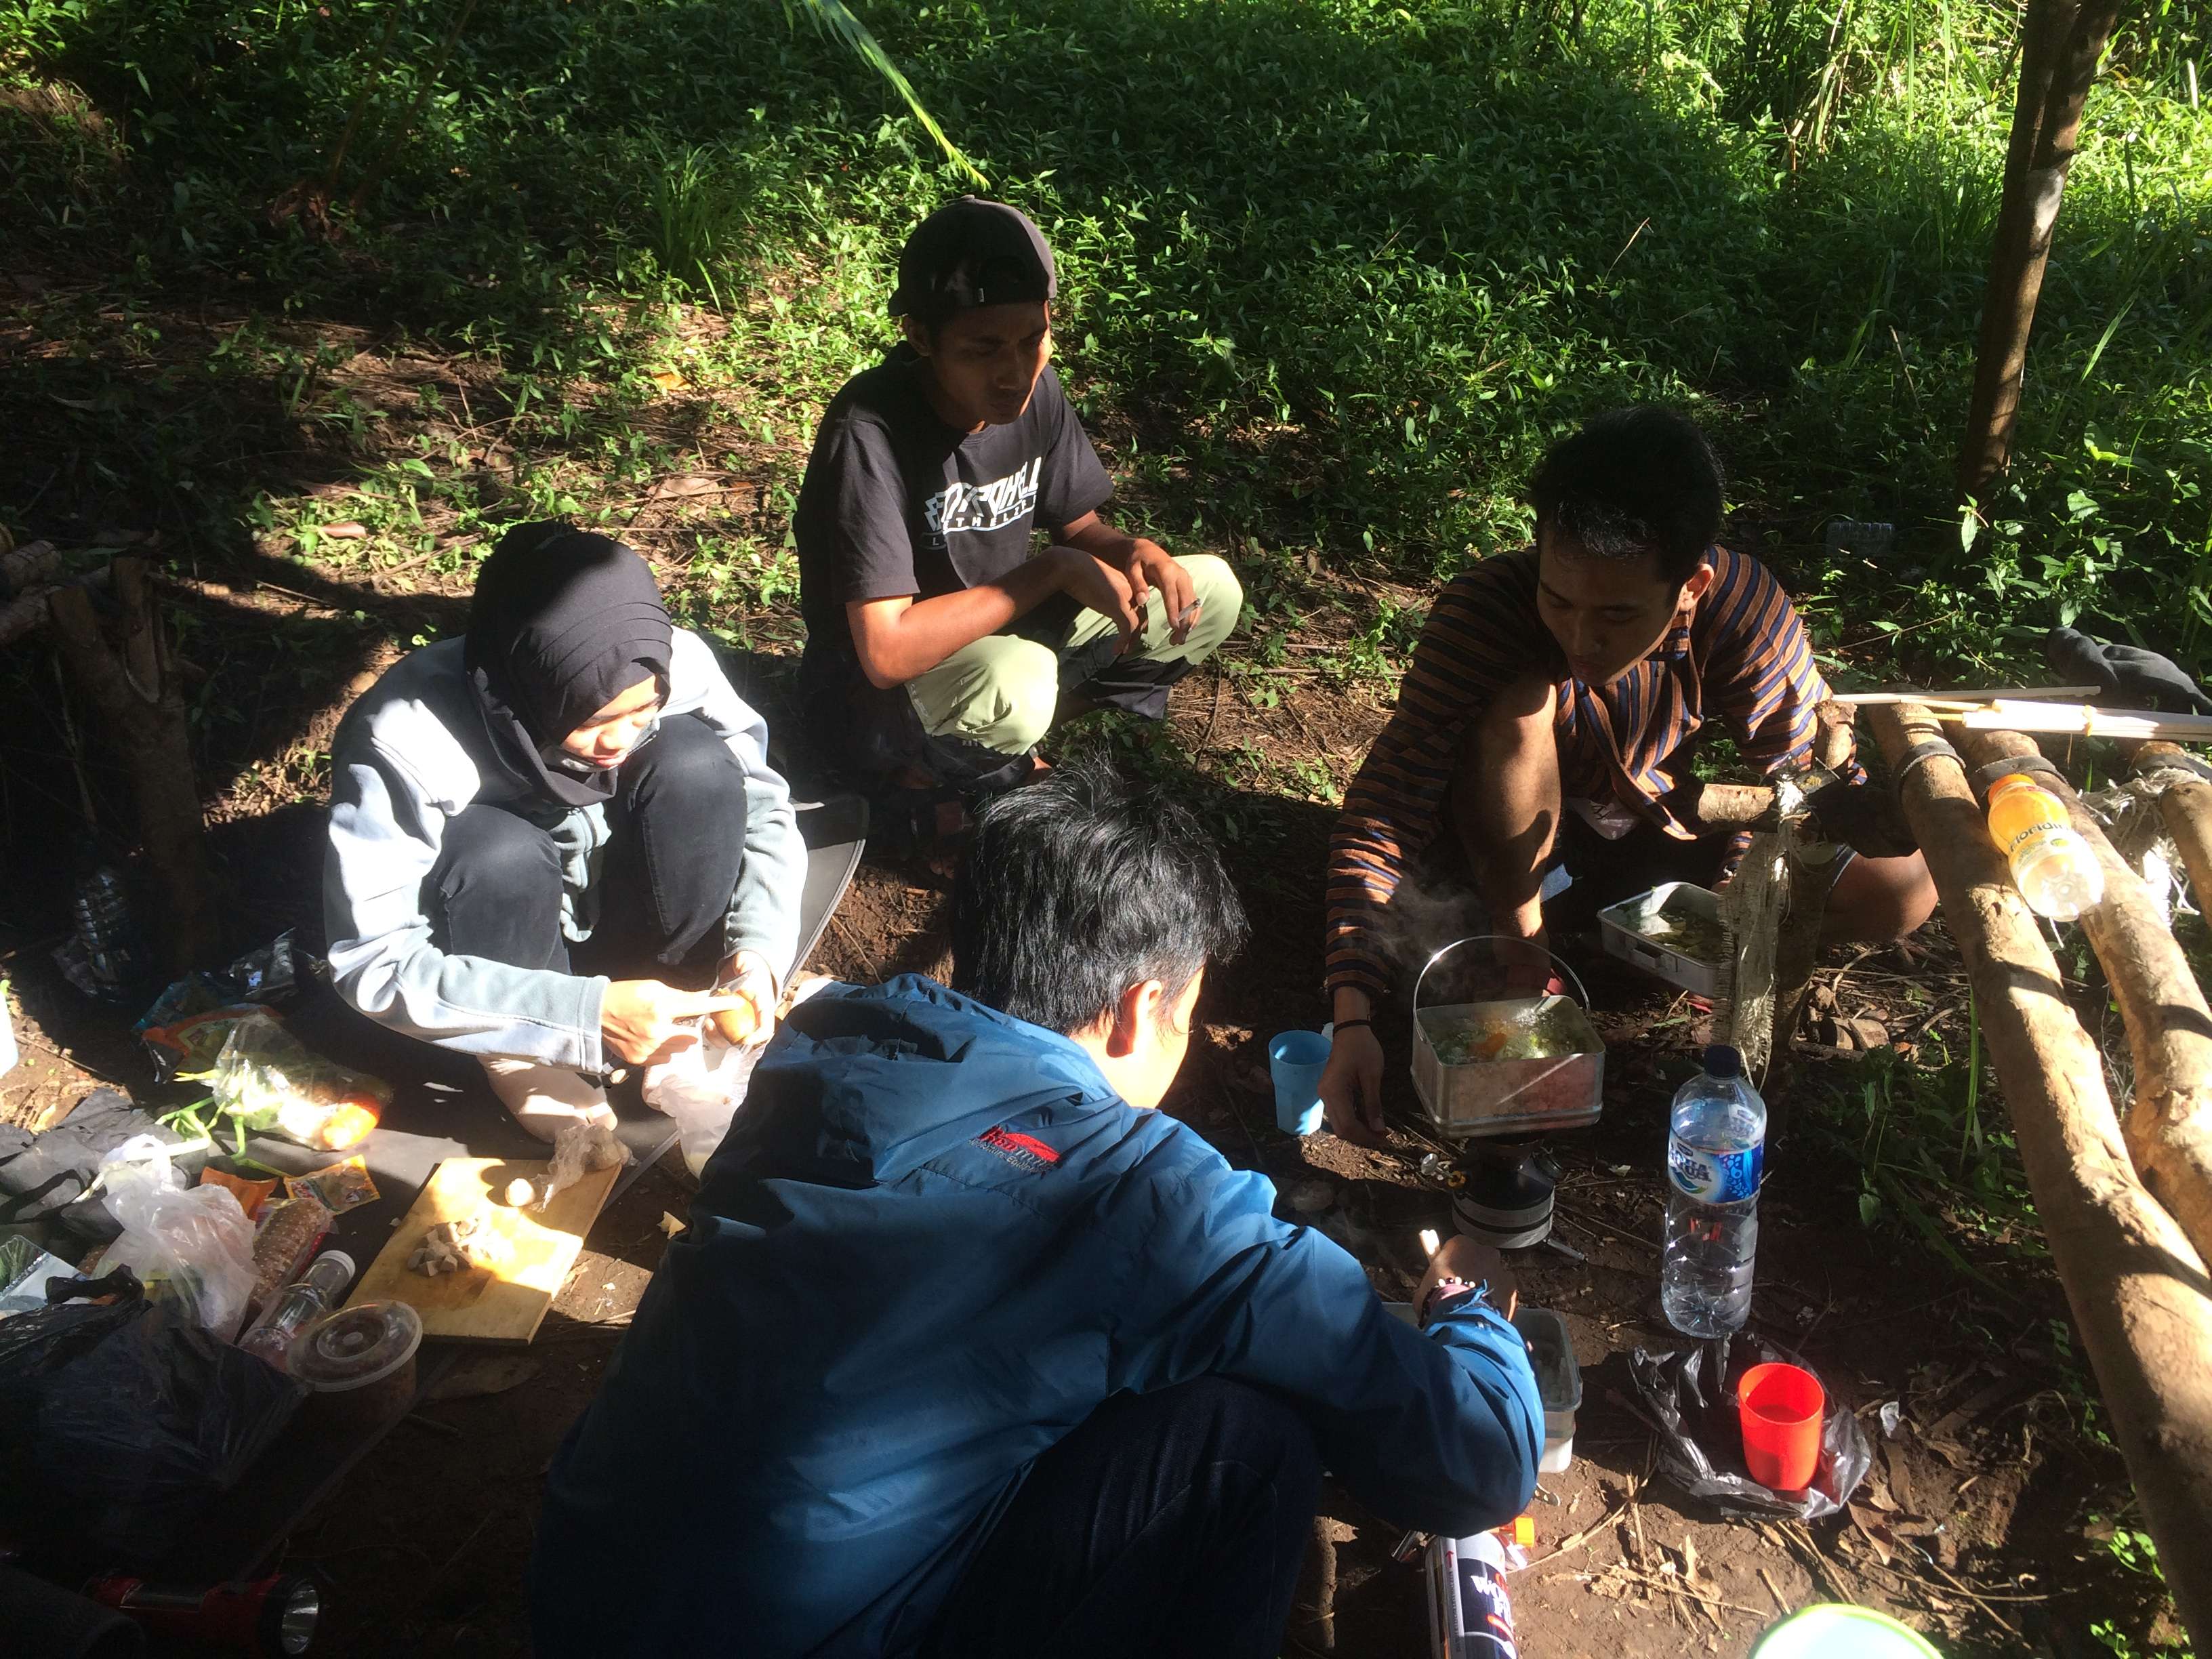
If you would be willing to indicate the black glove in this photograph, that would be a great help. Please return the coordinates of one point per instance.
(2142, 678)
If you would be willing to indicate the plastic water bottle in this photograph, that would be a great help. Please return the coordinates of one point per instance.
(2053, 867)
(299, 1305)
(1715, 1145)
(105, 930)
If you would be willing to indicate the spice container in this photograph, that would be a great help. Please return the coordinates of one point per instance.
(300, 1304)
(359, 1363)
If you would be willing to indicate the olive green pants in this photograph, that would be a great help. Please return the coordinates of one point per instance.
(1003, 691)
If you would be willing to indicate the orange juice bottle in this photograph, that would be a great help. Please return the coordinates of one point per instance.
(2053, 867)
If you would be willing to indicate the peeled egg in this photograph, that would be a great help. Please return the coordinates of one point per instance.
(518, 1193)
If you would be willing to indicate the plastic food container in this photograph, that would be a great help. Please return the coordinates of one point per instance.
(1622, 927)
(1559, 1383)
(1471, 1097)
(359, 1363)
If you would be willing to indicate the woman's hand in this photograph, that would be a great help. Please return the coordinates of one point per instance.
(644, 1020)
(747, 975)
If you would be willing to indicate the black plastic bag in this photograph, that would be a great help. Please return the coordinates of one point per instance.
(120, 1424)
(1685, 1396)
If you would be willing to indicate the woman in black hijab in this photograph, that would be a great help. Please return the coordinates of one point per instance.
(551, 839)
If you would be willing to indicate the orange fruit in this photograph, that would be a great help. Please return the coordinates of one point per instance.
(737, 1024)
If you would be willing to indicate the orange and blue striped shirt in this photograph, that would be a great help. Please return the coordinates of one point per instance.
(1741, 658)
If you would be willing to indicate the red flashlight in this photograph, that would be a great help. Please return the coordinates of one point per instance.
(271, 1618)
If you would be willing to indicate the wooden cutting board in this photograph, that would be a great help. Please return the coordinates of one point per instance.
(504, 1302)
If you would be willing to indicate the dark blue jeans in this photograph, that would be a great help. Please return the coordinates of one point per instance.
(1169, 1524)
(676, 840)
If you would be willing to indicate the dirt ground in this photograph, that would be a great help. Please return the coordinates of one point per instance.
(1984, 1520)
(1971, 1525)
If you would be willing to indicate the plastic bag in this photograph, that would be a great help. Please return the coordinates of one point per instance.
(56, 1168)
(266, 1077)
(176, 1030)
(119, 1424)
(191, 1247)
(1701, 1437)
(701, 1088)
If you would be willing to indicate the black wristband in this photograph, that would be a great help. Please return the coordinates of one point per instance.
(1984, 778)
(1353, 1025)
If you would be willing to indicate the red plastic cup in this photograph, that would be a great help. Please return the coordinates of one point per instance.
(1781, 1408)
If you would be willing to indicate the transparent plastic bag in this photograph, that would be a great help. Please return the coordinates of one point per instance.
(267, 1078)
(701, 1089)
(191, 1247)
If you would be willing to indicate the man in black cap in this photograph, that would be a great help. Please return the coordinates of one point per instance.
(940, 639)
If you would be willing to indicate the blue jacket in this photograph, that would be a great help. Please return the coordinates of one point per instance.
(933, 1242)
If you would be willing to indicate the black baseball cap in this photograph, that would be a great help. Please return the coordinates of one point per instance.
(972, 252)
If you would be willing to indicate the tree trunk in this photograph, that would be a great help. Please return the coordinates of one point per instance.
(2061, 43)
(2169, 1127)
(132, 683)
(2139, 1290)
(2184, 806)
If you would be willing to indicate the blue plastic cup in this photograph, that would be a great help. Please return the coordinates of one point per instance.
(1295, 1059)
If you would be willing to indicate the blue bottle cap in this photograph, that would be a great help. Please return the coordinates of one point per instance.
(1721, 1060)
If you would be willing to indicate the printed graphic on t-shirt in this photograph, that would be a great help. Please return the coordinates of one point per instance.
(982, 506)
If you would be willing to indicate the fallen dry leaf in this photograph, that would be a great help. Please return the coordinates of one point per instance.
(667, 379)
(345, 529)
(687, 483)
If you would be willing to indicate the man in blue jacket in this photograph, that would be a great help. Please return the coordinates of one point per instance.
(966, 1351)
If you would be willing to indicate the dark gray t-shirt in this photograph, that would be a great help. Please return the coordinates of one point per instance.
(897, 503)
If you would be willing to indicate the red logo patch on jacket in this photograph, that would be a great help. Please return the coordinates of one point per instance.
(1022, 1151)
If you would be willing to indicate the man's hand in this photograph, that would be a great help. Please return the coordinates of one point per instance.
(1352, 1086)
(1149, 565)
(642, 1019)
(1461, 1257)
(1098, 586)
(1524, 965)
(747, 974)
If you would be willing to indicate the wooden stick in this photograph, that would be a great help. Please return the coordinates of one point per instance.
(2087, 720)
(1961, 699)
(2140, 1293)
(25, 566)
(2169, 1127)
(1710, 806)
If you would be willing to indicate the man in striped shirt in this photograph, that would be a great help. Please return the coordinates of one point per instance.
(1550, 713)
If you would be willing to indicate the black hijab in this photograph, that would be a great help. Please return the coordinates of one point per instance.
(562, 620)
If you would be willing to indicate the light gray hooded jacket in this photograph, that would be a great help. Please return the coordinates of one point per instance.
(408, 757)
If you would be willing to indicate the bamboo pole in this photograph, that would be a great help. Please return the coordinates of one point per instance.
(2084, 720)
(2169, 1127)
(2139, 1292)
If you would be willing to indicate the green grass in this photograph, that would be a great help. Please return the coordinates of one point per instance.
(1335, 273)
